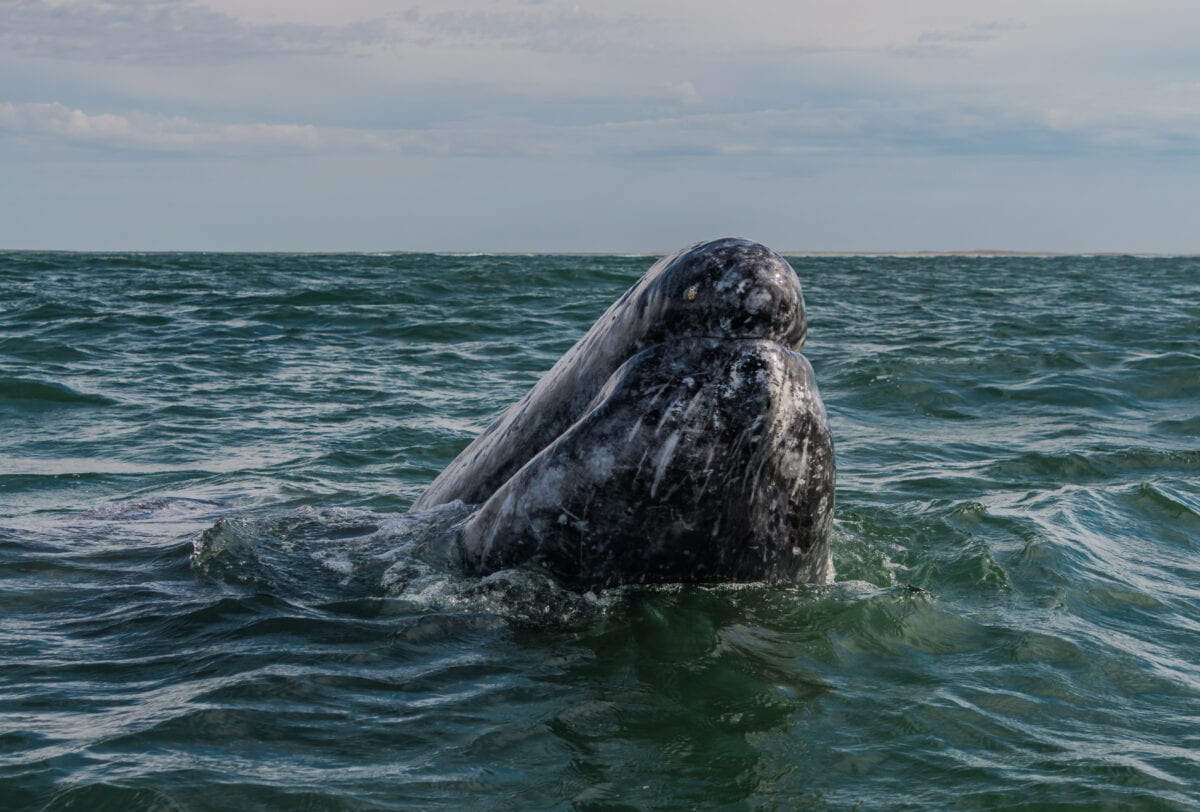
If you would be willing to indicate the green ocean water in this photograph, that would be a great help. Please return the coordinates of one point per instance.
(212, 596)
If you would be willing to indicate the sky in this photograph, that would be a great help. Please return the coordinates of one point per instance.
(622, 126)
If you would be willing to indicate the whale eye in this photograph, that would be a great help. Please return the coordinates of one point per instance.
(690, 293)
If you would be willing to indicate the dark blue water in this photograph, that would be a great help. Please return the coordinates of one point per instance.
(211, 596)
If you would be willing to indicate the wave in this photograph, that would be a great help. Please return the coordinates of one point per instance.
(34, 391)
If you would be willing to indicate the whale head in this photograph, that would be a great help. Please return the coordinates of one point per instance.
(726, 288)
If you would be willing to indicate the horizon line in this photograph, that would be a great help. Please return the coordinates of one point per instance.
(917, 254)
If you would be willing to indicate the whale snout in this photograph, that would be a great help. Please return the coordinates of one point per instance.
(728, 288)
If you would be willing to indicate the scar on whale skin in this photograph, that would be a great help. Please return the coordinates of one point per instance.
(681, 439)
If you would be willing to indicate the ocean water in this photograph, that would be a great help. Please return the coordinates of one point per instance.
(212, 597)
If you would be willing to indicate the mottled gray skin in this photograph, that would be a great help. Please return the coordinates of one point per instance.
(681, 439)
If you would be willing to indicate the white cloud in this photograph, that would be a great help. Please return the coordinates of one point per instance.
(772, 88)
(1166, 117)
(151, 132)
(766, 132)
(554, 29)
(158, 32)
(800, 132)
(188, 32)
(685, 93)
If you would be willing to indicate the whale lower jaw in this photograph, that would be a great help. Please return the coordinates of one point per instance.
(699, 460)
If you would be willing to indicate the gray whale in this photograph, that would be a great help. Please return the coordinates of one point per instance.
(681, 439)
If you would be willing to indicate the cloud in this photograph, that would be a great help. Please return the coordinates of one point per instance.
(685, 93)
(177, 32)
(957, 42)
(156, 32)
(152, 133)
(975, 32)
(800, 132)
(1163, 119)
(540, 89)
(553, 30)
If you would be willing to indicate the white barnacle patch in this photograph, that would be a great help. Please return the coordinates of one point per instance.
(602, 464)
(735, 379)
(690, 293)
(546, 490)
(758, 300)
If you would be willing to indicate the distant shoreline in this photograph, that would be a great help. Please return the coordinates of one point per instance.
(973, 253)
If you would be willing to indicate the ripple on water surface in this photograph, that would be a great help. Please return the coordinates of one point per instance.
(211, 596)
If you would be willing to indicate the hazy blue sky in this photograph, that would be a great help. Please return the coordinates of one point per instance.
(1070, 125)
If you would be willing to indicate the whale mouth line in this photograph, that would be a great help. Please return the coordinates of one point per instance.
(717, 339)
